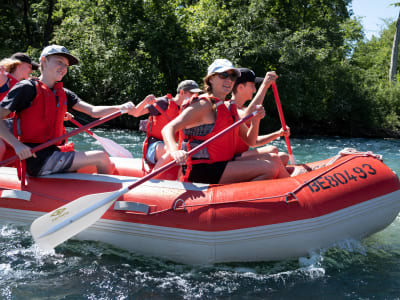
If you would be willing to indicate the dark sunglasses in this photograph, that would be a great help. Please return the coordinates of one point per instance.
(225, 75)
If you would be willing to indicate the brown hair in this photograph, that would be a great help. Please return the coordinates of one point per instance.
(206, 83)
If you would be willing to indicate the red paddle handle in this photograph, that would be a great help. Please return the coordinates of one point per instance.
(281, 116)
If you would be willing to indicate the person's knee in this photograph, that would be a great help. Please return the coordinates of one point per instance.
(160, 151)
(269, 149)
(284, 158)
(103, 162)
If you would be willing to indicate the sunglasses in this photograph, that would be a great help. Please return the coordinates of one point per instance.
(225, 75)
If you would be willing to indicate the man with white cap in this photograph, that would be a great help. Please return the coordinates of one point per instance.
(162, 110)
(242, 92)
(40, 106)
(205, 117)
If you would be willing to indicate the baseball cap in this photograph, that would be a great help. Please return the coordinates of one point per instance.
(59, 50)
(189, 85)
(25, 58)
(221, 65)
(248, 76)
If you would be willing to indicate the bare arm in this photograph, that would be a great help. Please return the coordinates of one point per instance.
(267, 138)
(101, 110)
(141, 108)
(259, 97)
(249, 135)
(195, 114)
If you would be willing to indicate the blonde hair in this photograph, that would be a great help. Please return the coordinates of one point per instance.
(9, 64)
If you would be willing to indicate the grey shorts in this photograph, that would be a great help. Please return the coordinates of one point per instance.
(49, 161)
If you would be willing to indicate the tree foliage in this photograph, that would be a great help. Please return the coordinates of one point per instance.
(331, 79)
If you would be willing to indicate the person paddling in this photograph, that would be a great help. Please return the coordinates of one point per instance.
(205, 117)
(40, 106)
(162, 110)
(243, 90)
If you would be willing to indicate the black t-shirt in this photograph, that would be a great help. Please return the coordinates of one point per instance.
(162, 102)
(23, 93)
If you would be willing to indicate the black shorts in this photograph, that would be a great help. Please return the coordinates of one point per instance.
(207, 173)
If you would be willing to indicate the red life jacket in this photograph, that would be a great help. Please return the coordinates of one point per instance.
(11, 82)
(44, 119)
(157, 122)
(223, 148)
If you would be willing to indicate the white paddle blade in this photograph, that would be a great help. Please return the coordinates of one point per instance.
(59, 225)
(112, 147)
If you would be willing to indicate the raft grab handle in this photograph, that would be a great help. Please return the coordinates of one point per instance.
(179, 204)
(292, 195)
(132, 206)
(15, 194)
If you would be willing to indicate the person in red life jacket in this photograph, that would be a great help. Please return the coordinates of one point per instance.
(162, 110)
(203, 118)
(243, 90)
(40, 106)
(18, 67)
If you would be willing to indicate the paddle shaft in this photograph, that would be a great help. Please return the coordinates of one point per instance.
(120, 192)
(79, 125)
(281, 116)
(65, 136)
(161, 111)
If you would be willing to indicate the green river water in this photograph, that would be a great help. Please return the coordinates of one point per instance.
(368, 269)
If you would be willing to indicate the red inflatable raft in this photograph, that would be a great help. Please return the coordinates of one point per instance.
(349, 196)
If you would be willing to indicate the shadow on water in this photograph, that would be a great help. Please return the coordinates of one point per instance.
(89, 270)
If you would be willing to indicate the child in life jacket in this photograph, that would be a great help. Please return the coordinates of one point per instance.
(243, 90)
(162, 110)
(40, 106)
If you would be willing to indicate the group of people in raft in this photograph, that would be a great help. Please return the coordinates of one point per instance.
(33, 111)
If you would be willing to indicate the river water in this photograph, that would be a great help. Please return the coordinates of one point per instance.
(369, 269)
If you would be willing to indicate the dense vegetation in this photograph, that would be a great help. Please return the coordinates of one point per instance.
(332, 80)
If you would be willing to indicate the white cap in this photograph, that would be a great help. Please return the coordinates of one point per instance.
(222, 65)
(59, 50)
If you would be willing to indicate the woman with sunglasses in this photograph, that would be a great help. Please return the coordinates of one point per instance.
(203, 118)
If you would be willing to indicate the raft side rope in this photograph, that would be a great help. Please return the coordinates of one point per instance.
(289, 197)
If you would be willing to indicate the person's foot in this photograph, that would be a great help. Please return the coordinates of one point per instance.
(299, 169)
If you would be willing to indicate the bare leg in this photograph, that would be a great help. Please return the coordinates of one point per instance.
(98, 158)
(161, 156)
(261, 151)
(253, 170)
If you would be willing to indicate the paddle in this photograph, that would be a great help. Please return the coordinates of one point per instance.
(66, 221)
(65, 136)
(279, 106)
(110, 146)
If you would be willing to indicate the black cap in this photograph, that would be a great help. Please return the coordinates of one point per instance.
(248, 76)
(25, 58)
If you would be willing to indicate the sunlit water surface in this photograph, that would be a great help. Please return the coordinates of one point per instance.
(369, 269)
